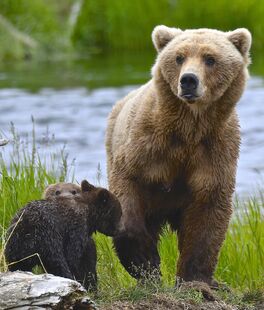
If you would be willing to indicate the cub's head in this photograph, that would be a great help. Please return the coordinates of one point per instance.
(105, 209)
(201, 65)
(62, 190)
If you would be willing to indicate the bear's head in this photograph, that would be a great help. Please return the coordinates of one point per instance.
(201, 66)
(104, 208)
(62, 190)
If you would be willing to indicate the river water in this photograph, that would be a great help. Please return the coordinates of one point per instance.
(72, 100)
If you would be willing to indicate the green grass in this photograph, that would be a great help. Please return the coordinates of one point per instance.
(44, 21)
(128, 24)
(240, 263)
(26, 175)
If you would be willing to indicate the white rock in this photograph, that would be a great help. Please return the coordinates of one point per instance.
(24, 290)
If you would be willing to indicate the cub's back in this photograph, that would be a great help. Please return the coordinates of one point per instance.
(44, 214)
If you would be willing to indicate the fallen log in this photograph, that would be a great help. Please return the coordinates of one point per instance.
(24, 290)
(16, 34)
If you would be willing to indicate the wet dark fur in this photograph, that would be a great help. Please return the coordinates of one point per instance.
(61, 234)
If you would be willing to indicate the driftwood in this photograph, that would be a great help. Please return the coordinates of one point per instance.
(16, 34)
(3, 142)
(24, 290)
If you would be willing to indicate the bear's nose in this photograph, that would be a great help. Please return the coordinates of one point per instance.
(189, 81)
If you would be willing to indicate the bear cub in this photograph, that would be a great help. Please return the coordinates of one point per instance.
(56, 232)
(58, 190)
(63, 193)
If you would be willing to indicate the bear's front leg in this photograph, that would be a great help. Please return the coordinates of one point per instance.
(135, 245)
(201, 234)
(87, 275)
(139, 255)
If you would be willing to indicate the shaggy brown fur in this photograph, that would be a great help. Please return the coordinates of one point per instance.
(172, 151)
(59, 230)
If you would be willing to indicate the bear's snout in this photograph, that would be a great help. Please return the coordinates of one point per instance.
(189, 83)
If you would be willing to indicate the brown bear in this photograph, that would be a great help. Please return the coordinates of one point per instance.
(59, 231)
(172, 149)
(67, 190)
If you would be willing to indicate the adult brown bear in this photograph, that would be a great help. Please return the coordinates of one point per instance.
(172, 148)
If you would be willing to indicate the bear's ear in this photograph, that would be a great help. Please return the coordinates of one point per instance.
(49, 190)
(86, 186)
(162, 35)
(241, 38)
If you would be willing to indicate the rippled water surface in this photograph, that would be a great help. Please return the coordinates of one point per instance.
(73, 101)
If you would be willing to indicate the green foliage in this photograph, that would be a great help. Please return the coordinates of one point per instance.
(25, 178)
(16, 50)
(45, 21)
(242, 256)
(128, 24)
(32, 17)
(119, 24)
(107, 25)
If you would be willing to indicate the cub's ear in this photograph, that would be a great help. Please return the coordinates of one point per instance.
(86, 186)
(48, 190)
(162, 35)
(103, 197)
(242, 39)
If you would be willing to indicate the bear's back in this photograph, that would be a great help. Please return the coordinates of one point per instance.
(45, 214)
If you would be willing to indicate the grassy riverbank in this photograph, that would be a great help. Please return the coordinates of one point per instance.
(241, 260)
(240, 264)
(44, 28)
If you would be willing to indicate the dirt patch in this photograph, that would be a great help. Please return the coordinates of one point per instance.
(164, 302)
(259, 306)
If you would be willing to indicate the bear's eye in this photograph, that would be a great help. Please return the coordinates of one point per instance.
(180, 59)
(209, 60)
(57, 193)
(74, 192)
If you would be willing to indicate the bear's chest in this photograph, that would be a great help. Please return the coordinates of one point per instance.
(176, 159)
(162, 195)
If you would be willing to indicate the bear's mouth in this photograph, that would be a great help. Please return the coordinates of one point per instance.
(190, 98)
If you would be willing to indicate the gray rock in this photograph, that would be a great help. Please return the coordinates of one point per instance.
(24, 290)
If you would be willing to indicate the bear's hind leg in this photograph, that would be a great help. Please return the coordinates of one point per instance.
(80, 253)
(201, 234)
(58, 267)
(51, 252)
